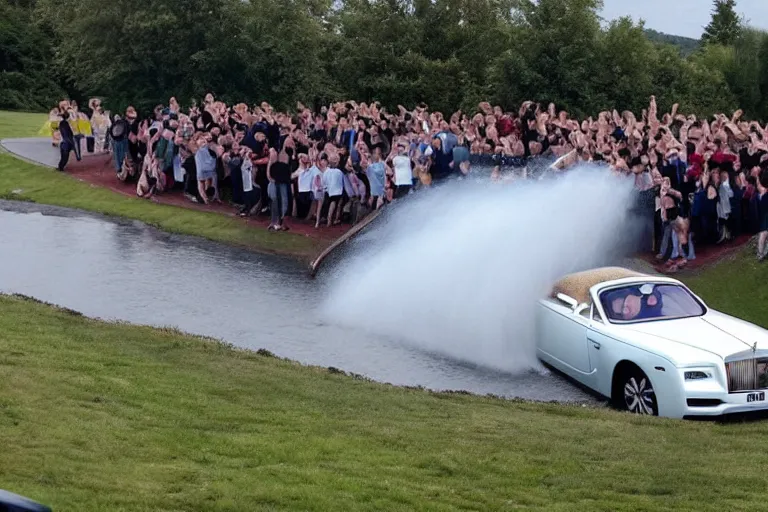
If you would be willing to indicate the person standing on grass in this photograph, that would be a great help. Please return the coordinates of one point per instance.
(67, 143)
(762, 237)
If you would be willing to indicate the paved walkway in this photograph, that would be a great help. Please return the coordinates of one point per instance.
(98, 170)
(35, 149)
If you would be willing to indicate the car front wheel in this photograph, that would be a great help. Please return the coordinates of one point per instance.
(636, 393)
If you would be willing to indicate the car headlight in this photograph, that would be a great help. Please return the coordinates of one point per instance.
(698, 375)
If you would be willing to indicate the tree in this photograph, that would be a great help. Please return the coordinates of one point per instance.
(628, 61)
(745, 74)
(725, 26)
(448, 53)
(704, 89)
(27, 78)
(553, 56)
(287, 50)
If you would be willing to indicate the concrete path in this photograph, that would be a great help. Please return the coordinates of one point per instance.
(34, 149)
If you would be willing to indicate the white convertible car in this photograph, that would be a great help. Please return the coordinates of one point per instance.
(652, 346)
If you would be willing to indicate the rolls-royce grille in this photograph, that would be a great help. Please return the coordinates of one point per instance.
(747, 375)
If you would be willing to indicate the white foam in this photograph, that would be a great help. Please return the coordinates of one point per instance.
(458, 270)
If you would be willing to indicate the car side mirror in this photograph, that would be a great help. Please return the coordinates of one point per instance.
(580, 308)
(569, 301)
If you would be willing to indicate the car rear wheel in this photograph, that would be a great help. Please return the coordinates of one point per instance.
(635, 393)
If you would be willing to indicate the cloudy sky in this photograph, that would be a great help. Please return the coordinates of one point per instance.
(682, 17)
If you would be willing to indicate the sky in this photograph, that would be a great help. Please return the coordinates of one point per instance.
(682, 17)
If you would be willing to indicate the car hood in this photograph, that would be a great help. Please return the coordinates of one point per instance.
(714, 332)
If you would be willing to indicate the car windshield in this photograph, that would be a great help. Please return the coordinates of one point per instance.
(648, 301)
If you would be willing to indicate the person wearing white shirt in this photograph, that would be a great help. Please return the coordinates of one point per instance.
(251, 192)
(318, 189)
(333, 182)
(304, 174)
(403, 173)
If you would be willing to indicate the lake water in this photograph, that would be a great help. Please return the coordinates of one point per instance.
(128, 271)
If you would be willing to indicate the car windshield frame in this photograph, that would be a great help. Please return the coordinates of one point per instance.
(636, 284)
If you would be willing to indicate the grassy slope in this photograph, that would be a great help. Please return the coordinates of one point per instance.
(43, 185)
(20, 124)
(97, 416)
(737, 285)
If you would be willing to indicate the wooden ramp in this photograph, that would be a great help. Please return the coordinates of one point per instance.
(357, 228)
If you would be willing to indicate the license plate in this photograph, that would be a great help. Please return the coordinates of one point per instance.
(756, 397)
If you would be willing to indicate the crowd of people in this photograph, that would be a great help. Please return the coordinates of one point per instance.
(703, 181)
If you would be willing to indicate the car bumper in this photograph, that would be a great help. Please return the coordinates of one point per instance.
(733, 403)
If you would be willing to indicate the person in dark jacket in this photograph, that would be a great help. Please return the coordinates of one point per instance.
(67, 140)
(440, 168)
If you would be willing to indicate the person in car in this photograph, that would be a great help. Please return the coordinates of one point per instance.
(632, 304)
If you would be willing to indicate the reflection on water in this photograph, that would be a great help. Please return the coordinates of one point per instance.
(127, 271)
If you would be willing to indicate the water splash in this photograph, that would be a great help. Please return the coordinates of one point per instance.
(458, 270)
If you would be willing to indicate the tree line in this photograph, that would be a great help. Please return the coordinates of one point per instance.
(450, 54)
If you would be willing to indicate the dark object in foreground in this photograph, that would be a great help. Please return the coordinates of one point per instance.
(10, 502)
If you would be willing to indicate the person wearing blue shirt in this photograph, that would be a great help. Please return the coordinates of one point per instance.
(448, 139)
(377, 177)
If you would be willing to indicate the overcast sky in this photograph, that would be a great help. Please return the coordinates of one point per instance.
(682, 17)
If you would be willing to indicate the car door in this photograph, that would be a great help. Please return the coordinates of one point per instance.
(563, 336)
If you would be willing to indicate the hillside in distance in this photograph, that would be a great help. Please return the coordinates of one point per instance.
(686, 45)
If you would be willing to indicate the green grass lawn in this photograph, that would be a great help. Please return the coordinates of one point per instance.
(737, 285)
(20, 124)
(43, 185)
(98, 416)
